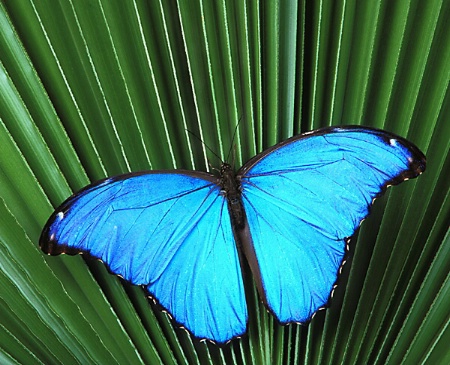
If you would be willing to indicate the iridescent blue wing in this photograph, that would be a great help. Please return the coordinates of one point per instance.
(304, 198)
(168, 231)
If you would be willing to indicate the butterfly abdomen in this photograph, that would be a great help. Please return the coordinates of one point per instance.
(231, 190)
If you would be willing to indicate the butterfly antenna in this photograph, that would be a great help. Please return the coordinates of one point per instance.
(233, 147)
(204, 144)
(234, 155)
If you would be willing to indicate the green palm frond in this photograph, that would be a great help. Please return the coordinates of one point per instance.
(90, 89)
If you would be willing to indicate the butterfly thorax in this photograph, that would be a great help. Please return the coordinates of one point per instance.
(231, 189)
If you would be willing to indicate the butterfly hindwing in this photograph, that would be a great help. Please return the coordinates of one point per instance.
(304, 197)
(170, 232)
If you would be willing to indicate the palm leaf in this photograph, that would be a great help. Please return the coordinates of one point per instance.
(96, 88)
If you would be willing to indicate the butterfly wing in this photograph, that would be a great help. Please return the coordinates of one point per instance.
(170, 232)
(303, 198)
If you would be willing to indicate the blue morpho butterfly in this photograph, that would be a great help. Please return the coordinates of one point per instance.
(291, 211)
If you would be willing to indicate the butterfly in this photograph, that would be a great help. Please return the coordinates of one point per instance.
(290, 211)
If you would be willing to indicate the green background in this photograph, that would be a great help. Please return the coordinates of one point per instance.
(94, 88)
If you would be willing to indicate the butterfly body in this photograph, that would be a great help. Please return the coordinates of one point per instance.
(231, 189)
(290, 209)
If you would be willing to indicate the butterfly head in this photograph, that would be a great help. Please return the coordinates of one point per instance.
(226, 169)
(227, 179)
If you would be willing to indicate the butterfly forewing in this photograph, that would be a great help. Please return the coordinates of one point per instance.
(304, 197)
(170, 232)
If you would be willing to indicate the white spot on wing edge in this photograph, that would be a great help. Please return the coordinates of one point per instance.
(393, 142)
(60, 215)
